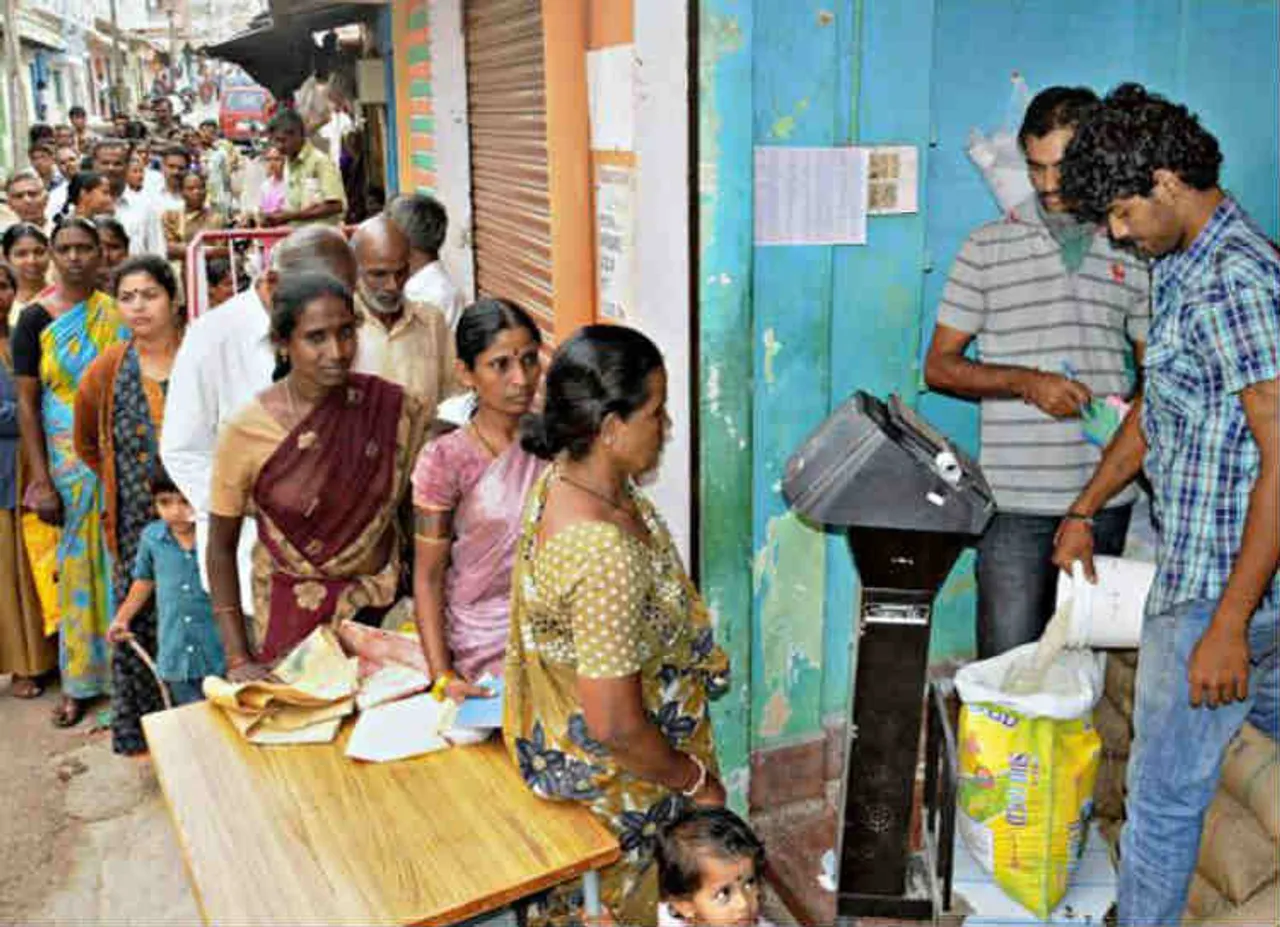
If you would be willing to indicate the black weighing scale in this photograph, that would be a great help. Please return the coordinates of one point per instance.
(909, 502)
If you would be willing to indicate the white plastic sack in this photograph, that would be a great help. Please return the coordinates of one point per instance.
(999, 156)
(1071, 686)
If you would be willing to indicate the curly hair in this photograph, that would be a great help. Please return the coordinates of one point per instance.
(1124, 141)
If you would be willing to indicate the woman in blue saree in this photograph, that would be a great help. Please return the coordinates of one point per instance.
(53, 345)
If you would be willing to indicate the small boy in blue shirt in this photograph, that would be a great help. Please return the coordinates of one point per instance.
(189, 644)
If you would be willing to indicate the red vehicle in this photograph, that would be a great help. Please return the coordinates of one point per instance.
(244, 112)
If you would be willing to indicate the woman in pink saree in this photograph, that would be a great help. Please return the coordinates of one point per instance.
(469, 488)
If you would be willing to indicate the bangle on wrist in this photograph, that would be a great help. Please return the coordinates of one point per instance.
(1080, 517)
(700, 781)
(442, 682)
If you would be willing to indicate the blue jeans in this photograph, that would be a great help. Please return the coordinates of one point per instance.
(1017, 581)
(185, 691)
(1176, 757)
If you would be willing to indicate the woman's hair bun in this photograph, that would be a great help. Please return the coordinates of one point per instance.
(534, 437)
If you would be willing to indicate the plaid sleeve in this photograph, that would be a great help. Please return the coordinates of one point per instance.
(1244, 331)
(964, 299)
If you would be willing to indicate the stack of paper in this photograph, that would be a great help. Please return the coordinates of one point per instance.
(304, 700)
(398, 730)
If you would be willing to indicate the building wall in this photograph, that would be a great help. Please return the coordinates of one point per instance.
(652, 36)
(433, 153)
(787, 333)
(434, 157)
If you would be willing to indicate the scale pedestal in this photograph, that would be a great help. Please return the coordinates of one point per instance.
(910, 503)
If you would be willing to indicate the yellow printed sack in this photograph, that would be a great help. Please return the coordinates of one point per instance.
(1028, 761)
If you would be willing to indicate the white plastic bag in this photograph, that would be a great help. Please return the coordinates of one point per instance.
(999, 156)
(1071, 686)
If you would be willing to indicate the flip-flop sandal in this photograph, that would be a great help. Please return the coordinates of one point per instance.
(69, 713)
(25, 688)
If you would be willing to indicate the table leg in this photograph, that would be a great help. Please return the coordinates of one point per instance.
(591, 894)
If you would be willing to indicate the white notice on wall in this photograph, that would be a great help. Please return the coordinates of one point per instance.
(810, 196)
(611, 98)
(892, 180)
(615, 240)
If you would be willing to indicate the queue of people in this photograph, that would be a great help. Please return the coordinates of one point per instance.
(145, 439)
(285, 454)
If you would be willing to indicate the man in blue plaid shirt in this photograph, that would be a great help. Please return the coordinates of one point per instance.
(1207, 431)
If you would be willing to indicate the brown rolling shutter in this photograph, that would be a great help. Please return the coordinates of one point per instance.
(507, 110)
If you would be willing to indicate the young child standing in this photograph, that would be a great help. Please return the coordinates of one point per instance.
(189, 645)
(710, 867)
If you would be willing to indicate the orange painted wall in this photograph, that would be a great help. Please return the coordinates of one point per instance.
(564, 24)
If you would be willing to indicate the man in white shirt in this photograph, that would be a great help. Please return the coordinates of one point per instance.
(406, 342)
(206, 106)
(68, 165)
(225, 360)
(176, 162)
(139, 212)
(152, 180)
(424, 222)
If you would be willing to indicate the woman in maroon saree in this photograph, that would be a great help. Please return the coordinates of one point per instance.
(322, 460)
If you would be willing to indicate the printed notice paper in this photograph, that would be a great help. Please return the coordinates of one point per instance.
(810, 196)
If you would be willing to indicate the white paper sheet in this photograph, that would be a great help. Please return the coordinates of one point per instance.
(615, 241)
(402, 729)
(611, 98)
(810, 196)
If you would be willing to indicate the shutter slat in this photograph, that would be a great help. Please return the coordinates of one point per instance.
(506, 110)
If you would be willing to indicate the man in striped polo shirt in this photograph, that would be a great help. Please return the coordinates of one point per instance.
(1207, 432)
(1060, 317)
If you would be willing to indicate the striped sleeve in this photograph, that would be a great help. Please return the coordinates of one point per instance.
(964, 300)
(1138, 319)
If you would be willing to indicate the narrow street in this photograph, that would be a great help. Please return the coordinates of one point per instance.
(85, 838)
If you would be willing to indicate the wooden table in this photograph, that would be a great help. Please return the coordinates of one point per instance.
(303, 835)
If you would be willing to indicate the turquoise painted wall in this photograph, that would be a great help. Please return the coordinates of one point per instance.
(725, 35)
(788, 333)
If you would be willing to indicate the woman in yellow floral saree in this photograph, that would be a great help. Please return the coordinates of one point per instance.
(611, 658)
(55, 342)
(322, 459)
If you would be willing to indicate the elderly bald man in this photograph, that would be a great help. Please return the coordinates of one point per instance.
(225, 360)
(408, 343)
